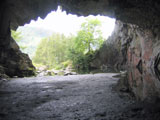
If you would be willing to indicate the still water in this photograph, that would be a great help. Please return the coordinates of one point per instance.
(145, 85)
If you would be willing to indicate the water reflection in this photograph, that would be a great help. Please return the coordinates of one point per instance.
(145, 85)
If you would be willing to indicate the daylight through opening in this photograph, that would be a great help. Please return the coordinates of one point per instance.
(63, 43)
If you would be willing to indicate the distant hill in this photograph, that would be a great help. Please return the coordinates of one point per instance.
(31, 36)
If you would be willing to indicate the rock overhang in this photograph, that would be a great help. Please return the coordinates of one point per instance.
(144, 13)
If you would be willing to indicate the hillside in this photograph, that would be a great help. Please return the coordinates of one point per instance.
(31, 37)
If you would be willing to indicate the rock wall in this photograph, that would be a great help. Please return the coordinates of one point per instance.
(131, 46)
(137, 50)
(139, 54)
(111, 53)
(15, 63)
(12, 61)
(143, 61)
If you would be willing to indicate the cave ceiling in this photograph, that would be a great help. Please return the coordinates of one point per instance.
(144, 13)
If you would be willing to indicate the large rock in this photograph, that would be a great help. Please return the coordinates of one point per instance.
(137, 50)
(110, 54)
(14, 62)
(141, 54)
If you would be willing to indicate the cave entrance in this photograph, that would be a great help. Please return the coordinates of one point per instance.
(50, 42)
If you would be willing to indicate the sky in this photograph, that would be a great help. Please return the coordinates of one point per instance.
(58, 21)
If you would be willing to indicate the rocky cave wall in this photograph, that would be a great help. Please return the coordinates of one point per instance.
(111, 54)
(12, 61)
(141, 50)
(136, 50)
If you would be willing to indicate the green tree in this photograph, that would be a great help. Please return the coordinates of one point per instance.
(41, 55)
(88, 40)
(16, 35)
(53, 51)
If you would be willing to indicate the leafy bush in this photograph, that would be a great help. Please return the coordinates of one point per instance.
(67, 63)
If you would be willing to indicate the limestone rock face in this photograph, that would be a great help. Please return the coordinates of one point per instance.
(130, 45)
(111, 53)
(14, 62)
(142, 58)
(137, 50)
(140, 49)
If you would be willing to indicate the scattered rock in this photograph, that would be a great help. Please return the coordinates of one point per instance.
(42, 71)
(42, 68)
(3, 78)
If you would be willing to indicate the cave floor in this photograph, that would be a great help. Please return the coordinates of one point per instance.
(76, 97)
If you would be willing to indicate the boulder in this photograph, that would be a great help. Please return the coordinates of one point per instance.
(41, 68)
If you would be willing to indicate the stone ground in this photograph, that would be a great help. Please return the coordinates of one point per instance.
(76, 97)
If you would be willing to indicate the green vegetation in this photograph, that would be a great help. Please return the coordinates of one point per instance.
(58, 51)
(89, 37)
(30, 37)
(53, 51)
(87, 41)
(17, 37)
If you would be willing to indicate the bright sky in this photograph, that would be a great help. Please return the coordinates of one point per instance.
(59, 21)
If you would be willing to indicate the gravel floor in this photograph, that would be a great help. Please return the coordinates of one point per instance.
(76, 97)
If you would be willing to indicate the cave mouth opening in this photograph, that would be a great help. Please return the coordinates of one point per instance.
(45, 40)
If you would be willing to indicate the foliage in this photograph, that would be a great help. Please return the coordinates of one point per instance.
(89, 37)
(81, 62)
(87, 41)
(59, 51)
(53, 51)
(31, 37)
(67, 63)
(17, 37)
